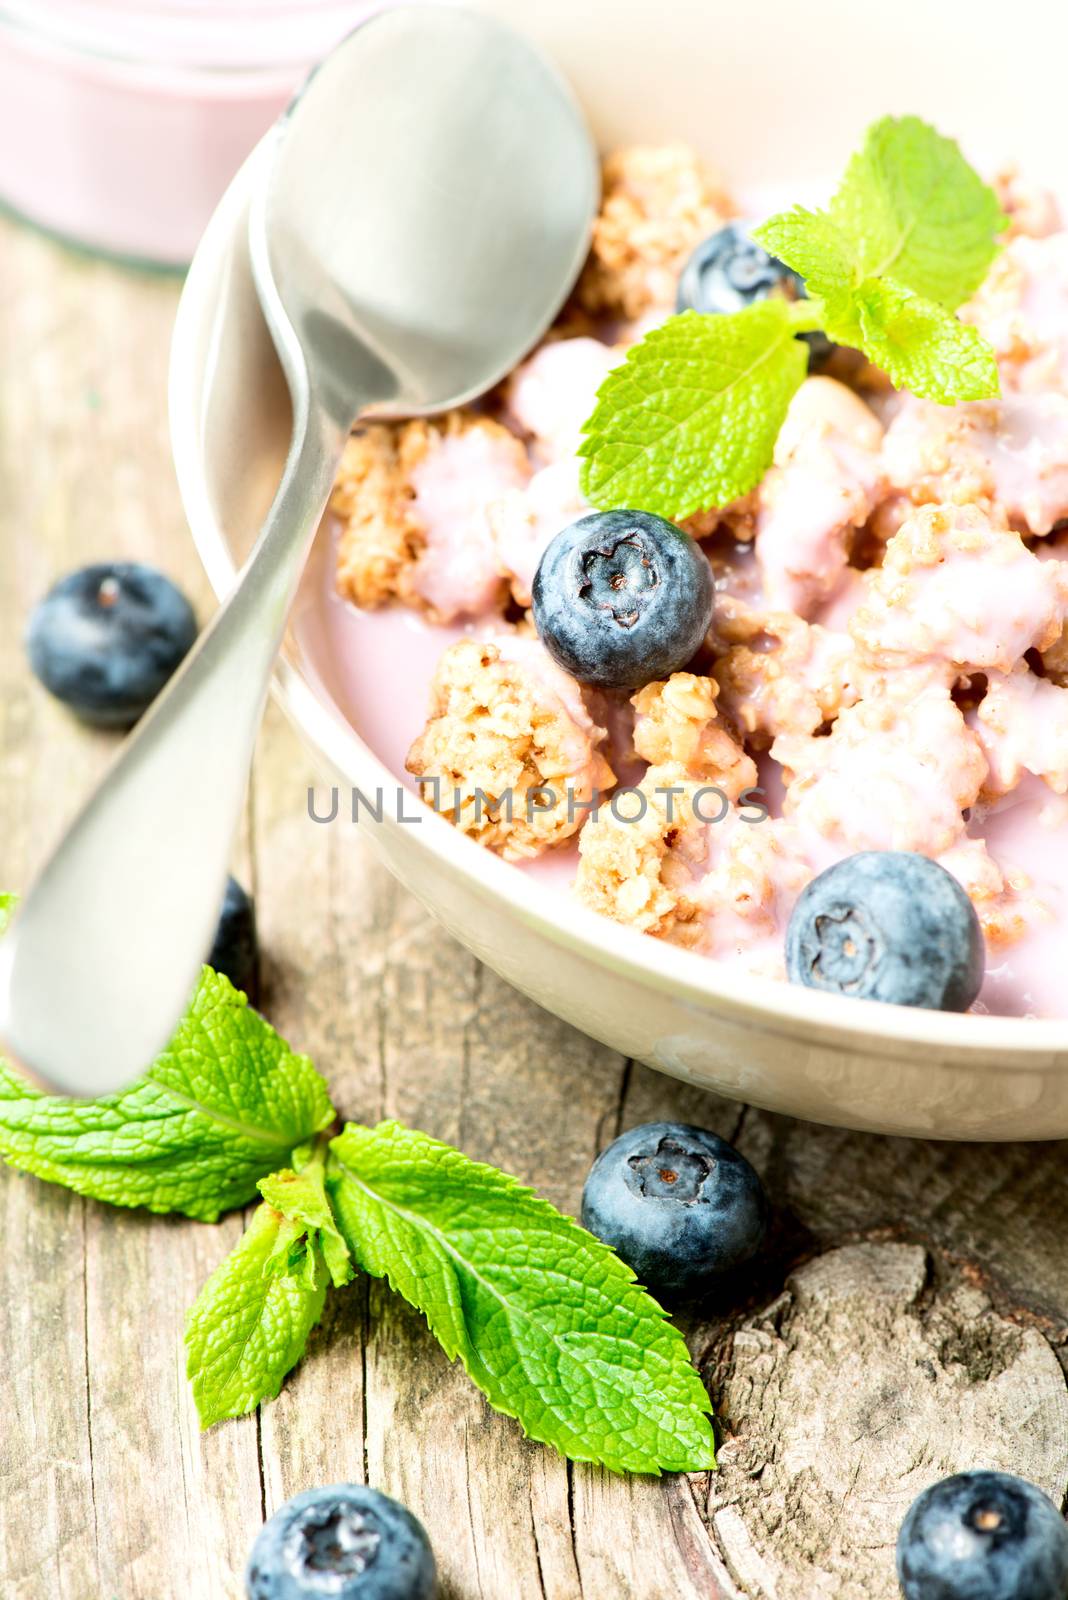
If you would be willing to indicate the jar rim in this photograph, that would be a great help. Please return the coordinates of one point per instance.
(204, 35)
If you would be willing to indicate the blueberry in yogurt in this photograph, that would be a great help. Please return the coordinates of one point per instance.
(622, 598)
(729, 271)
(106, 639)
(887, 925)
(677, 1203)
(348, 1542)
(983, 1536)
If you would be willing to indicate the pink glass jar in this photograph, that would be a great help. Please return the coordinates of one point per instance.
(122, 121)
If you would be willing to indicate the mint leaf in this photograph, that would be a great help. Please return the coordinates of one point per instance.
(548, 1322)
(810, 243)
(222, 1107)
(921, 346)
(250, 1323)
(912, 209)
(689, 419)
(8, 902)
(301, 1198)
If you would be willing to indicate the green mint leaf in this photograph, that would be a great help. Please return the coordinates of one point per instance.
(301, 1198)
(250, 1323)
(548, 1322)
(921, 346)
(8, 902)
(689, 419)
(222, 1107)
(810, 243)
(292, 1254)
(912, 209)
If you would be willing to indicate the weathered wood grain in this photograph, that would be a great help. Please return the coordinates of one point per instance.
(913, 1384)
(106, 1486)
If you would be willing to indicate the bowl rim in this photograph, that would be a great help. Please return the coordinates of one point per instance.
(706, 986)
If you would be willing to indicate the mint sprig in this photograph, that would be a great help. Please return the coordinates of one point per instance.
(547, 1320)
(221, 1108)
(250, 1323)
(689, 419)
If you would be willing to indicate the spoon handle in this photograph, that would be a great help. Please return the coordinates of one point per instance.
(101, 960)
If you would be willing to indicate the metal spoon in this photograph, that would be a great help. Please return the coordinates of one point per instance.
(423, 211)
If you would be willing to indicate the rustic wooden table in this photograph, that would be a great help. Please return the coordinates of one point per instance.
(910, 1316)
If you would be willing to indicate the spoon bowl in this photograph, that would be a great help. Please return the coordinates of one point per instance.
(422, 282)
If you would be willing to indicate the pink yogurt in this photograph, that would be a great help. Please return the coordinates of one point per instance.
(1027, 833)
(123, 121)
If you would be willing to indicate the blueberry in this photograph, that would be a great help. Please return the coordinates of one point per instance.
(887, 925)
(983, 1536)
(234, 952)
(347, 1542)
(679, 1204)
(729, 271)
(621, 598)
(106, 639)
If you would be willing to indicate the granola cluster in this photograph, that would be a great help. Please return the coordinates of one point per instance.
(510, 752)
(959, 587)
(658, 203)
(641, 862)
(888, 662)
(784, 675)
(1008, 455)
(411, 504)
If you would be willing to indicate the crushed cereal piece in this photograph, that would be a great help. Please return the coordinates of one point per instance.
(509, 752)
(788, 676)
(411, 498)
(638, 861)
(1005, 899)
(553, 393)
(1022, 309)
(677, 724)
(1055, 658)
(895, 772)
(659, 202)
(1022, 725)
(956, 588)
(746, 897)
(524, 521)
(689, 868)
(1030, 208)
(1011, 453)
(826, 479)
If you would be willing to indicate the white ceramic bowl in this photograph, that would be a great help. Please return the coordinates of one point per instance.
(775, 94)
